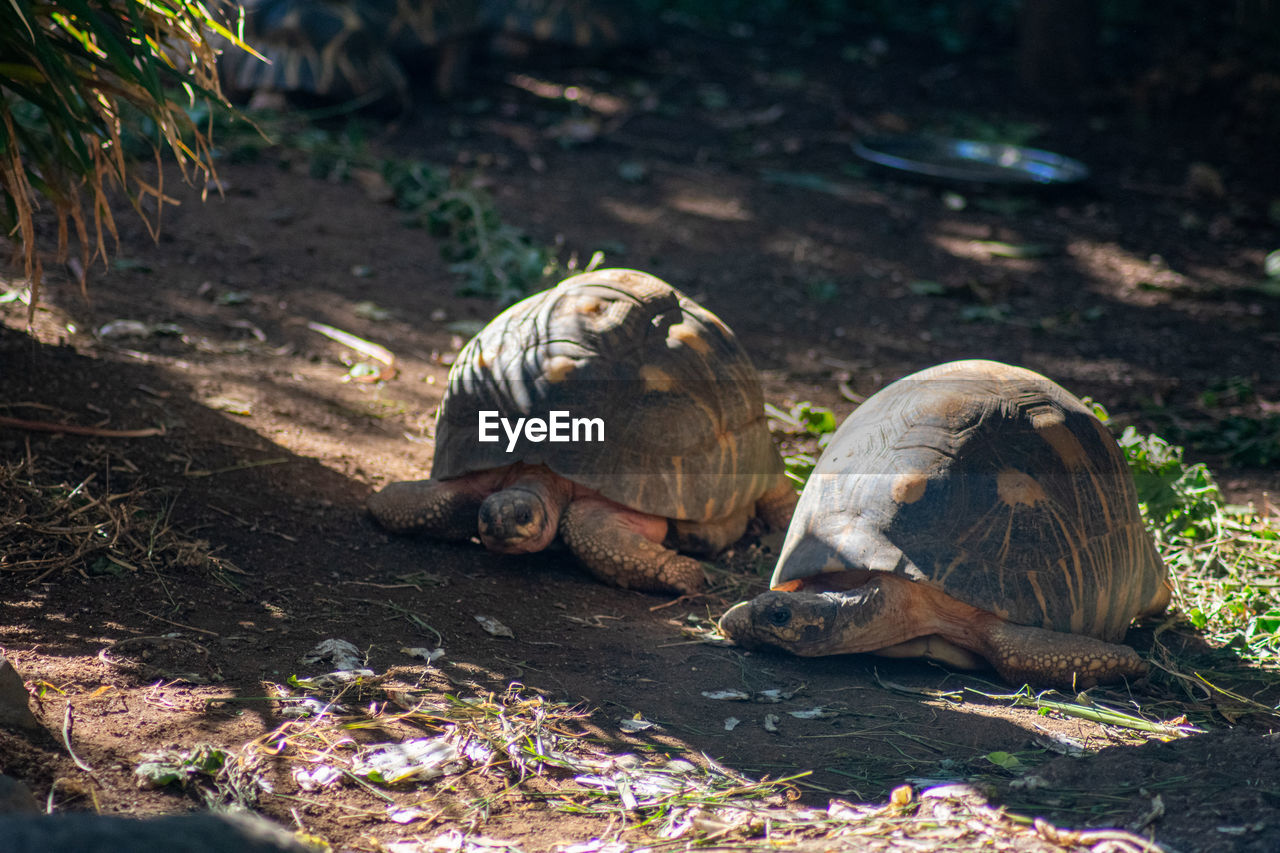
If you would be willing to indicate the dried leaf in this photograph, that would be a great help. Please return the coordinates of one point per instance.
(428, 655)
(411, 760)
(813, 714)
(339, 654)
(494, 627)
(636, 724)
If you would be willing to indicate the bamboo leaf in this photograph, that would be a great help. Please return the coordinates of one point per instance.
(79, 80)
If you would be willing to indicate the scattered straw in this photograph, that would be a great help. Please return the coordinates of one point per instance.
(517, 746)
(48, 527)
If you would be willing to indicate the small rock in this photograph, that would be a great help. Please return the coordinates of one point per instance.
(124, 329)
(494, 627)
(91, 833)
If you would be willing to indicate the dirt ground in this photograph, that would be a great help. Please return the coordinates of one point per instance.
(728, 173)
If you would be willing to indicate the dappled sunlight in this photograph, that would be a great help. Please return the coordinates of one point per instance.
(292, 386)
(599, 102)
(694, 202)
(803, 250)
(630, 213)
(992, 252)
(710, 206)
(1128, 278)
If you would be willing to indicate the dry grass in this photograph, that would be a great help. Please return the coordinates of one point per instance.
(522, 746)
(50, 526)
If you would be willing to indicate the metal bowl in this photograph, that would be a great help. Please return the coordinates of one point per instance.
(970, 160)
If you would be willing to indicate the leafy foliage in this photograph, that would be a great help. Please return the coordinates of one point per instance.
(1229, 420)
(221, 778)
(80, 81)
(1251, 441)
(1179, 501)
(1222, 559)
(814, 421)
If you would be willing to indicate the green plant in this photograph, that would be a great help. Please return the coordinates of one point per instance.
(1179, 501)
(808, 419)
(1228, 422)
(1250, 441)
(81, 81)
(491, 258)
(1222, 559)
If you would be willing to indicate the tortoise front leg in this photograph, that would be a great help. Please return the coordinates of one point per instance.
(776, 506)
(1040, 657)
(624, 548)
(445, 509)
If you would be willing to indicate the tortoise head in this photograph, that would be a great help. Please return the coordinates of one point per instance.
(808, 624)
(516, 521)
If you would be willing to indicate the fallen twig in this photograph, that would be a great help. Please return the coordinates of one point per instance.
(78, 429)
(66, 739)
(377, 352)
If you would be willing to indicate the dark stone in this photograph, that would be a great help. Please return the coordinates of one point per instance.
(15, 704)
(199, 833)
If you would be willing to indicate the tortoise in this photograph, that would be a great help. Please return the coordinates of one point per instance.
(971, 513)
(339, 49)
(681, 461)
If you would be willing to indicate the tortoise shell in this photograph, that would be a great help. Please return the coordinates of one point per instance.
(684, 429)
(991, 483)
(339, 49)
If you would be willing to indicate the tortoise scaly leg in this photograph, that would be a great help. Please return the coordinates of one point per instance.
(1023, 655)
(623, 547)
(445, 509)
(776, 506)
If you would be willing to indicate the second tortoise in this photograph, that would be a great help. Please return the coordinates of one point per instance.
(973, 513)
(368, 50)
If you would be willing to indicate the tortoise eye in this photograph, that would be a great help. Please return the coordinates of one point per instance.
(779, 616)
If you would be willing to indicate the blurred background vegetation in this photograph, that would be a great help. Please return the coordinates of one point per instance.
(1130, 32)
(88, 85)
